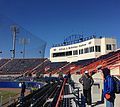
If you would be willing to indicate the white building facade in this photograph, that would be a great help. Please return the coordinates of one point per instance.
(88, 49)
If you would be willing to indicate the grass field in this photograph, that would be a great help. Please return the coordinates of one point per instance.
(7, 95)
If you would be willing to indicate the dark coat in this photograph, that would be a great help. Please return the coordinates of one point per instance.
(23, 88)
(87, 81)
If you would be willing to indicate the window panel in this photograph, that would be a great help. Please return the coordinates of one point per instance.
(81, 51)
(86, 50)
(68, 53)
(108, 47)
(75, 52)
(97, 49)
(91, 49)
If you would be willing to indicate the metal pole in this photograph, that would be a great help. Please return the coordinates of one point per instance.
(1, 101)
(14, 31)
(24, 50)
(10, 99)
(78, 95)
(14, 41)
(24, 42)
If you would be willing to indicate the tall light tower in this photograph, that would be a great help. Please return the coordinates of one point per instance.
(24, 42)
(14, 30)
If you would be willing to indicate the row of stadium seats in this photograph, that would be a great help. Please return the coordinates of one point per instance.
(77, 66)
(48, 66)
(3, 61)
(40, 97)
(104, 60)
(18, 65)
(21, 66)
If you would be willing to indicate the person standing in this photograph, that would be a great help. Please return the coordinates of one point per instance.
(23, 88)
(87, 81)
(22, 101)
(108, 90)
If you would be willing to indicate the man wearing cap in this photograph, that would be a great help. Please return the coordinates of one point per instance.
(87, 81)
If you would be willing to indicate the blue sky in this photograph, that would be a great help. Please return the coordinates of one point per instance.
(53, 20)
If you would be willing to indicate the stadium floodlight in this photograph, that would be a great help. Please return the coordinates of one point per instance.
(15, 30)
(24, 42)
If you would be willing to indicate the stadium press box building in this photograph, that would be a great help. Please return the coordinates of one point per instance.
(87, 49)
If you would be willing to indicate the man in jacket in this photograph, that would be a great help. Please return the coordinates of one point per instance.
(108, 91)
(87, 81)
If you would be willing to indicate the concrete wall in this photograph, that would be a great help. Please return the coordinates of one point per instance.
(115, 71)
(97, 87)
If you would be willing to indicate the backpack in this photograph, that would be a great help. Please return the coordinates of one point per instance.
(116, 85)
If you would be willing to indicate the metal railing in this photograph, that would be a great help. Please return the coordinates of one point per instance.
(113, 59)
(60, 97)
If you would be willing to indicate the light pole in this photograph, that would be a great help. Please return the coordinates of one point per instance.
(24, 42)
(14, 30)
(1, 53)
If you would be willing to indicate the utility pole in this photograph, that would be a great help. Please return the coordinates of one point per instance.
(14, 30)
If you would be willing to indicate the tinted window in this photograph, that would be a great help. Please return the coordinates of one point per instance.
(59, 54)
(81, 51)
(97, 49)
(75, 52)
(108, 47)
(68, 53)
(91, 49)
(86, 50)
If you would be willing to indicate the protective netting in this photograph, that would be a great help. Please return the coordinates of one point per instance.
(17, 42)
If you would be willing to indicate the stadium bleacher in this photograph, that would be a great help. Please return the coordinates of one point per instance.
(18, 66)
(51, 91)
(40, 97)
(3, 61)
(21, 66)
(49, 95)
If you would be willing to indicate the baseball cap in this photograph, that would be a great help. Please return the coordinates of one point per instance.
(86, 72)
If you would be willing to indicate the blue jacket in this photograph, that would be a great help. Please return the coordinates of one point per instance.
(109, 86)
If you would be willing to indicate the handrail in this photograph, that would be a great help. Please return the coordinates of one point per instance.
(112, 67)
(60, 95)
(104, 62)
(112, 60)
